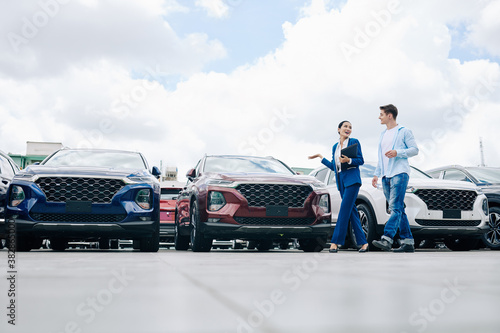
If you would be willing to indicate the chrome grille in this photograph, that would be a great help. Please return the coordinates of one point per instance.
(261, 195)
(448, 223)
(85, 218)
(95, 190)
(274, 221)
(441, 199)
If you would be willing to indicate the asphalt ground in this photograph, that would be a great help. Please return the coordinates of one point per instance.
(245, 291)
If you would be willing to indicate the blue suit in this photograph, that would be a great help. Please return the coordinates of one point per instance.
(348, 183)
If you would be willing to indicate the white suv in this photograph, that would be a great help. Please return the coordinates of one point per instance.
(452, 211)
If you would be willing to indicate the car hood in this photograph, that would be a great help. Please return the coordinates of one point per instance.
(41, 170)
(490, 188)
(444, 184)
(266, 178)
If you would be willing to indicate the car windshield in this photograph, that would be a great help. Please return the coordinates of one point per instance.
(94, 158)
(245, 164)
(368, 170)
(169, 193)
(486, 175)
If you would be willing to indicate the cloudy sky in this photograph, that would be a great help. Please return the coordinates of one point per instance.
(176, 79)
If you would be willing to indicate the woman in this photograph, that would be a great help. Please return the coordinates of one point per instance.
(348, 181)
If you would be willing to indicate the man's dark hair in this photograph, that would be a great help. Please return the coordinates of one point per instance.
(389, 108)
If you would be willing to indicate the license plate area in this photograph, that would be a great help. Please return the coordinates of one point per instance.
(452, 214)
(276, 210)
(78, 207)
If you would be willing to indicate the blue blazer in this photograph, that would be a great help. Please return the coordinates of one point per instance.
(351, 176)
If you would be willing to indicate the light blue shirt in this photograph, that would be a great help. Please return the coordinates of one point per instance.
(405, 145)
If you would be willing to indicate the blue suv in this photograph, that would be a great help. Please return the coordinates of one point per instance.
(86, 195)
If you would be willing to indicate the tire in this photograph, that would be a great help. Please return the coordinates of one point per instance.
(114, 244)
(58, 244)
(151, 244)
(284, 245)
(181, 243)
(251, 245)
(104, 244)
(491, 239)
(24, 244)
(312, 244)
(461, 244)
(198, 241)
(368, 224)
(236, 245)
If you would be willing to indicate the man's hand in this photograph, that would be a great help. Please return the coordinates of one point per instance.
(391, 153)
(374, 181)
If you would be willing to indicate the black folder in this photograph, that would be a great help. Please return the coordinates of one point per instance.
(351, 152)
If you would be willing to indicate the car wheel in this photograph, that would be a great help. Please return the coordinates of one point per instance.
(198, 241)
(181, 243)
(284, 245)
(151, 244)
(264, 245)
(492, 238)
(24, 243)
(461, 244)
(368, 224)
(251, 245)
(58, 244)
(312, 244)
(114, 244)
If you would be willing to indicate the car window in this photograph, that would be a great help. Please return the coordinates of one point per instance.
(486, 175)
(6, 168)
(93, 158)
(331, 179)
(245, 164)
(434, 174)
(321, 174)
(453, 174)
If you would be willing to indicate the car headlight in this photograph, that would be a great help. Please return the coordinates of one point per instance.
(410, 189)
(16, 196)
(220, 182)
(143, 198)
(216, 201)
(486, 209)
(324, 203)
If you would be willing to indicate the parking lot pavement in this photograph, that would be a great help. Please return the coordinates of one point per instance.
(246, 291)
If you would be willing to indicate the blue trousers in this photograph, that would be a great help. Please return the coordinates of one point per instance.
(394, 191)
(348, 211)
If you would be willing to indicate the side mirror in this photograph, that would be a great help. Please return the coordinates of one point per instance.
(156, 172)
(191, 174)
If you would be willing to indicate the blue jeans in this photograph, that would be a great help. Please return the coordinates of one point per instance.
(348, 211)
(394, 191)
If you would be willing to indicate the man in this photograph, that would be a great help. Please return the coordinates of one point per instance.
(396, 145)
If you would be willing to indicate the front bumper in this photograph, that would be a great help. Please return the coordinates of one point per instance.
(449, 232)
(223, 230)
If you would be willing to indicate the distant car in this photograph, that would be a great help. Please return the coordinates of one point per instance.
(455, 212)
(168, 197)
(8, 168)
(257, 199)
(488, 180)
(86, 195)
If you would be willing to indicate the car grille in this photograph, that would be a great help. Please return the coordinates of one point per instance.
(439, 199)
(89, 218)
(448, 223)
(95, 190)
(273, 221)
(261, 195)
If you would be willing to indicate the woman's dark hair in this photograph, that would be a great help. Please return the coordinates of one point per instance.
(342, 123)
(390, 109)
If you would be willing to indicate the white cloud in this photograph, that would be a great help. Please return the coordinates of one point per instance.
(85, 80)
(484, 33)
(214, 8)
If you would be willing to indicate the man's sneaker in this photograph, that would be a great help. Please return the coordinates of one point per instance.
(382, 244)
(409, 248)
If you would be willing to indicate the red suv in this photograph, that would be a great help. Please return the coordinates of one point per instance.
(251, 198)
(168, 196)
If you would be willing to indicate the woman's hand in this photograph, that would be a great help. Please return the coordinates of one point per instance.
(315, 156)
(344, 159)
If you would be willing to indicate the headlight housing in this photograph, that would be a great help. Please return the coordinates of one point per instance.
(486, 209)
(216, 201)
(143, 198)
(324, 203)
(16, 196)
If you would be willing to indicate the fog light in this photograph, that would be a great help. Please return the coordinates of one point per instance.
(143, 199)
(213, 220)
(215, 201)
(16, 195)
(324, 203)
